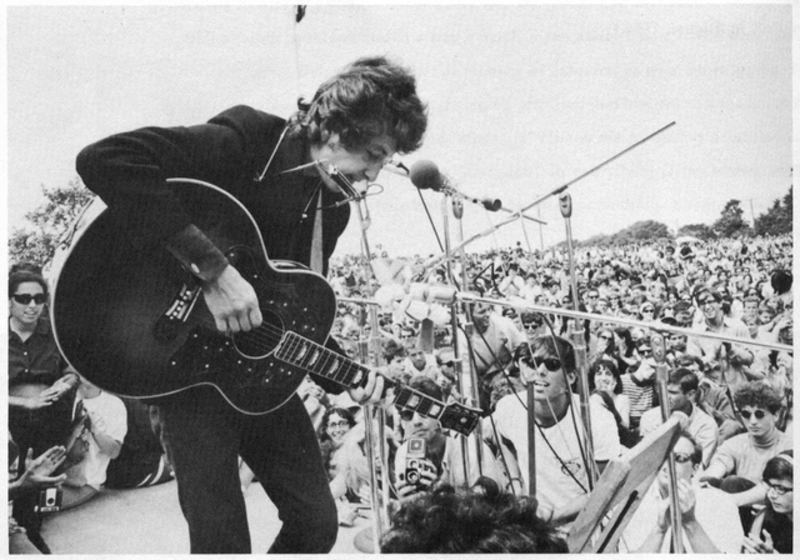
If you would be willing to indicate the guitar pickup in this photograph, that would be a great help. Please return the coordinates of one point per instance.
(168, 324)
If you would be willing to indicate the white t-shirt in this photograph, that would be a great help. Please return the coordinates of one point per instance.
(108, 415)
(554, 485)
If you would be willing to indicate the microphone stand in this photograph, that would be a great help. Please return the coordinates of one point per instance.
(457, 207)
(579, 345)
(659, 354)
(374, 420)
(515, 215)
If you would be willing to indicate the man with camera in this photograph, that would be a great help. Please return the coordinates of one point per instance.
(428, 457)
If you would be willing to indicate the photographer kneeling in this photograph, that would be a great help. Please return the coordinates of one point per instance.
(428, 457)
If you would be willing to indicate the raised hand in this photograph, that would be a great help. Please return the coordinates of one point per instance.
(38, 470)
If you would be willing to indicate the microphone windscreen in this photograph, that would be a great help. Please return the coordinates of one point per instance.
(425, 175)
(492, 204)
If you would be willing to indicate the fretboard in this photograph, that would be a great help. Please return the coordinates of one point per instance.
(314, 358)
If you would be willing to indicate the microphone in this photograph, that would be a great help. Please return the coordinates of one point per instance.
(424, 174)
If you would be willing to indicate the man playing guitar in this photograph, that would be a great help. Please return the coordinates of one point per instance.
(278, 170)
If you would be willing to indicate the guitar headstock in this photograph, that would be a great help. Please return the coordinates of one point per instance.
(453, 416)
(460, 418)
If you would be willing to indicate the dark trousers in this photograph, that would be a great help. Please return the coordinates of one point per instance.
(203, 436)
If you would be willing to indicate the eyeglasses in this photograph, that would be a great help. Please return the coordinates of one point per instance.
(340, 424)
(552, 364)
(25, 299)
(682, 457)
(604, 337)
(778, 489)
(758, 413)
(649, 310)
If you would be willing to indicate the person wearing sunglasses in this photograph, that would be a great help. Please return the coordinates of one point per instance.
(738, 463)
(548, 365)
(41, 384)
(773, 527)
(442, 456)
(709, 520)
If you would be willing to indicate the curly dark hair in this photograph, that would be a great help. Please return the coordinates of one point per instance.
(757, 394)
(450, 521)
(370, 97)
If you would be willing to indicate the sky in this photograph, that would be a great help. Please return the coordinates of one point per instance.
(521, 100)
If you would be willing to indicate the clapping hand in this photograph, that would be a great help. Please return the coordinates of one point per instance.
(38, 471)
(754, 545)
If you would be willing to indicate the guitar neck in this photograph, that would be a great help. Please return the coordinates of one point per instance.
(314, 358)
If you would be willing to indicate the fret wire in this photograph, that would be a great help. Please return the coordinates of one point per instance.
(345, 371)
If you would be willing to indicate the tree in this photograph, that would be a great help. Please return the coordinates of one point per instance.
(703, 232)
(48, 222)
(730, 222)
(645, 230)
(778, 219)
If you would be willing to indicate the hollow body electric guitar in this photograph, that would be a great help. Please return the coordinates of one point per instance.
(135, 322)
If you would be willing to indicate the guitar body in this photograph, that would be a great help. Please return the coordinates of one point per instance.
(135, 322)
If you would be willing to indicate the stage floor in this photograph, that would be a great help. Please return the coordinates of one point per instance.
(149, 521)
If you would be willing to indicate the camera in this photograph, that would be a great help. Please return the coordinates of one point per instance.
(49, 500)
(416, 464)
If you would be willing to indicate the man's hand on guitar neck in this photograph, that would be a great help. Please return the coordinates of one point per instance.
(371, 392)
(232, 301)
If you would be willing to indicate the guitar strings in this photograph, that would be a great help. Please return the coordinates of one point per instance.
(267, 333)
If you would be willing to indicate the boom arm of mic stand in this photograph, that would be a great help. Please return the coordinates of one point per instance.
(563, 187)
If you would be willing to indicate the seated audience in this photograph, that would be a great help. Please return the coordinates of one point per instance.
(773, 527)
(36, 476)
(437, 458)
(141, 461)
(606, 387)
(561, 480)
(41, 386)
(106, 428)
(738, 464)
(682, 387)
(709, 520)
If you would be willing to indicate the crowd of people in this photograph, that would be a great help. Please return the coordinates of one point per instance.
(734, 401)
(68, 438)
